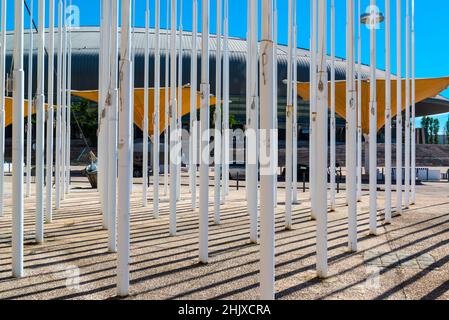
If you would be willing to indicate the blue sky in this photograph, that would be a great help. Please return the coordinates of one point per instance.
(432, 42)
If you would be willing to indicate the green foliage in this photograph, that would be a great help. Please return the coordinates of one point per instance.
(446, 128)
(87, 118)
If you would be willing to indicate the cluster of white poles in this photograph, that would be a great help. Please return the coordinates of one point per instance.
(116, 123)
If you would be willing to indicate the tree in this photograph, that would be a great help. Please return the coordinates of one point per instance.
(447, 131)
(435, 130)
(425, 124)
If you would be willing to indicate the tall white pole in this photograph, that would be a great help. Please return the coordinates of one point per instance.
(413, 168)
(2, 105)
(30, 103)
(351, 130)
(167, 106)
(373, 126)
(179, 110)
(58, 114)
(103, 164)
(112, 129)
(64, 103)
(173, 129)
(295, 110)
(40, 133)
(193, 121)
(267, 177)
(407, 105)
(226, 132)
(146, 75)
(321, 119)
(398, 109)
(275, 96)
(252, 139)
(387, 112)
(157, 98)
(289, 122)
(313, 106)
(69, 102)
(50, 114)
(359, 105)
(217, 118)
(332, 116)
(17, 143)
(124, 153)
(204, 151)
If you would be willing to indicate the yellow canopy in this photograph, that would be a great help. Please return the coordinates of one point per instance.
(92, 95)
(425, 88)
(8, 110)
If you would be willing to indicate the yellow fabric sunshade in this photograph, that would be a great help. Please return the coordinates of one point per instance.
(92, 95)
(425, 88)
(8, 110)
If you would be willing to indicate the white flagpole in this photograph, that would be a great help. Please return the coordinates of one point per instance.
(173, 129)
(388, 112)
(124, 153)
(413, 169)
(267, 179)
(398, 110)
(373, 126)
(17, 145)
(146, 75)
(351, 134)
(2, 106)
(157, 94)
(217, 118)
(313, 103)
(275, 97)
(204, 117)
(332, 116)
(69, 103)
(50, 115)
(289, 122)
(321, 119)
(30, 104)
(193, 88)
(112, 129)
(179, 110)
(40, 133)
(167, 106)
(359, 105)
(407, 105)
(64, 103)
(295, 110)
(226, 132)
(252, 139)
(58, 114)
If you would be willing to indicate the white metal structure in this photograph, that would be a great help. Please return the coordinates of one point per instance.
(407, 106)
(359, 105)
(226, 132)
(320, 117)
(295, 109)
(124, 153)
(398, 110)
(204, 142)
(387, 112)
(17, 143)
(58, 115)
(173, 128)
(2, 105)
(313, 102)
(40, 133)
(30, 103)
(217, 118)
(193, 152)
(332, 110)
(167, 103)
(157, 99)
(351, 130)
(267, 177)
(413, 129)
(50, 115)
(253, 124)
(179, 109)
(373, 126)
(146, 76)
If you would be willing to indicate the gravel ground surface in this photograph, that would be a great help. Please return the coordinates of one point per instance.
(407, 260)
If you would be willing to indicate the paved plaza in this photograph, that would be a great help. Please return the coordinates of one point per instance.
(407, 260)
